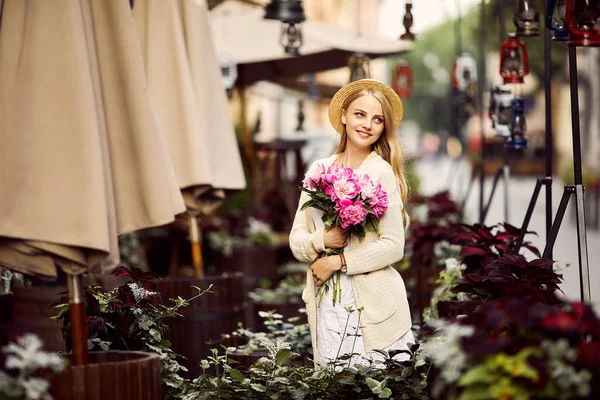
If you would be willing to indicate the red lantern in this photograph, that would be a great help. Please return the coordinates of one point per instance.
(581, 20)
(514, 64)
(402, 79)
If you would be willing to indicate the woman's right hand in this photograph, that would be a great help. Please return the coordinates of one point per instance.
(335, 238)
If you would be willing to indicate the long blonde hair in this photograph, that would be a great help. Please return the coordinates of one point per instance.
(387, 146)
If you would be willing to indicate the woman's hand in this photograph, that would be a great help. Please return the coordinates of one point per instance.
(335, 238)
(324, 267)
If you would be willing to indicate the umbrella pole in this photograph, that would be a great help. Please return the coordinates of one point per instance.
(196, 249)
(78, 319)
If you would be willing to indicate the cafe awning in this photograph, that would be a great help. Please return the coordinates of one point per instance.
(241, 32)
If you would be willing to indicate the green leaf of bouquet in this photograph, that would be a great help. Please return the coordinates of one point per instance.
(309, 203)
(359, 231)
(283, 357)
(368, 208)
(373, 223)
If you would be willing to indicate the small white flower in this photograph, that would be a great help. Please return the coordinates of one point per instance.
(452, 264)
(139, 293)
(145, 322)
(36, 388)
(255, 226)
(136, 311)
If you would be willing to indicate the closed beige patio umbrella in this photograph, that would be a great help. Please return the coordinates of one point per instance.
(81, 156)
(185, 84)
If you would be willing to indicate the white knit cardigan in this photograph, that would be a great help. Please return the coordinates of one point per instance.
(378, 288)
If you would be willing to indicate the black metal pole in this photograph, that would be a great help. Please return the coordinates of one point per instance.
(549, 145)
(506, 166)
(501, 24)
(481, 90)
(499, 173)
(584, 272)
(560, 213)
(536, 192)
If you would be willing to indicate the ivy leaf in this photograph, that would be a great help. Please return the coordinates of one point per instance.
(258, 387)
(386, 393)
(373, 384)
(155, 334)
(283, 357)
(237, 375)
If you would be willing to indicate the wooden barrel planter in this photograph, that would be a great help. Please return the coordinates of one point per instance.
(6, 308)
(246, 360)
(31, 309)
(256, 263)
(115, 375)
(206, 318)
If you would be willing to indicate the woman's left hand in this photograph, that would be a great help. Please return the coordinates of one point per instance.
(324, 267)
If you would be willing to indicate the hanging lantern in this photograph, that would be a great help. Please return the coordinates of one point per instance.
(289, 11)
(517, 139)
(464, 72)
(527, 17)
(407, 21)
(514, 64)
(501, 110)
(581, 20)
(402, 79)
(229, 72)
(557, 24)
(291, 38)
(359, 67)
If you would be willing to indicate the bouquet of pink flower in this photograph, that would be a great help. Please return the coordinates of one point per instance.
(347, 199)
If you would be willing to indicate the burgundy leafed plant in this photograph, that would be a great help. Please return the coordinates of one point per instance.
(481, 244)
(512, 275)
(114, 326)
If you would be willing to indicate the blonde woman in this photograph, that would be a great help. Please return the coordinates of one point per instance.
(373, 312)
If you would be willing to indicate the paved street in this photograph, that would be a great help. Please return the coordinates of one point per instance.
(434, 175)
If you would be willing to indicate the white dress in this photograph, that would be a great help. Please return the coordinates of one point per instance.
(338, 330)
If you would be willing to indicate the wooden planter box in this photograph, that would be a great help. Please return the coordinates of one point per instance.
(115, 375)
(207, 317)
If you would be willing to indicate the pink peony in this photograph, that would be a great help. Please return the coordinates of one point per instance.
(313, 175)
(344, 187)
(334, 172)
(379, 202)
(351, 213)
(367, 189)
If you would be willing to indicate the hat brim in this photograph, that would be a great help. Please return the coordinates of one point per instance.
(338, 100)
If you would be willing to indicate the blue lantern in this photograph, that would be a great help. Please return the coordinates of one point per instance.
(558, 25)
(517, 139)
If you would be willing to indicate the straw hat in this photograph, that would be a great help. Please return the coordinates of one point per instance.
(337, 102)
